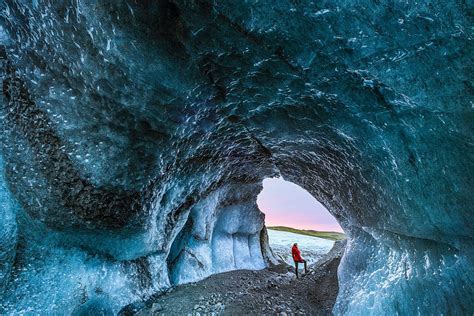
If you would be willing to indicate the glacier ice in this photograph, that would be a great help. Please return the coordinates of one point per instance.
(219, 235)
(8, 230)
(136, 134)
(312, 248)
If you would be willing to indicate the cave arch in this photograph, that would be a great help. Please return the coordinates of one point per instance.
(117, 157)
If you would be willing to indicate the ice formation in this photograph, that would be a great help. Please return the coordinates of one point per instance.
(136, 135)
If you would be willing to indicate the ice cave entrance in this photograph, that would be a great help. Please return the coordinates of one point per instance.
(292, 215)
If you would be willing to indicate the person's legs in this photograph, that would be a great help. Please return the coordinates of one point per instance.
(296, 268)
(305, 268)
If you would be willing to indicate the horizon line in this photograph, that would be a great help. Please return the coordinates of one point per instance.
(322, 231)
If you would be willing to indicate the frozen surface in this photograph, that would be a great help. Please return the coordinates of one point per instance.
(8, 230)
(218, 238)
(135, 136)
(312, 248)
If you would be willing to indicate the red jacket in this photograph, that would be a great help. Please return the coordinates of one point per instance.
(295, 253)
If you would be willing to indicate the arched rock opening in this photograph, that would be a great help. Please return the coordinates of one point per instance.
(135, 137)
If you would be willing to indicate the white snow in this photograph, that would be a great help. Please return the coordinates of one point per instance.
(312, 248)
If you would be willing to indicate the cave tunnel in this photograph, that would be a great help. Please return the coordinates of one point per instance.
(136, 136)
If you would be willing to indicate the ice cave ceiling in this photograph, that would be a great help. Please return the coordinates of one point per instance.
(136, 135)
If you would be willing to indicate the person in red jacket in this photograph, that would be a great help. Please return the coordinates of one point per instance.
(295, 253)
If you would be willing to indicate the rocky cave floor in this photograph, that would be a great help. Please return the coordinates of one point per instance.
(270, 291)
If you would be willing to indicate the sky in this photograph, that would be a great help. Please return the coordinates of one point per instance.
(287, 204)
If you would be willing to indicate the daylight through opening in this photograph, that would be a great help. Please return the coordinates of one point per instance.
(293, 215)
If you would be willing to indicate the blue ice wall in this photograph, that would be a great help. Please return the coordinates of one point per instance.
(136, 134)
(8, 230)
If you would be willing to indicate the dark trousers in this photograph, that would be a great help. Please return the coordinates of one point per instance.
(296, 266)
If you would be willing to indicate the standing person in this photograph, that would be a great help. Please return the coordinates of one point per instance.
(295, 253)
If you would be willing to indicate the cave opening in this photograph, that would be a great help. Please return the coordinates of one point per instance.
(293, 215)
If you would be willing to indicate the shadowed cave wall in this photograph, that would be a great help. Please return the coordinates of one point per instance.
(136, 135)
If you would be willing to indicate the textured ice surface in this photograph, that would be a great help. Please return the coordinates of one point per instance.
(8, 230)
(312, 248)
(135, 136)
(219, 236)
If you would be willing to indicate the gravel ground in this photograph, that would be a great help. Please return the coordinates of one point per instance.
(243, 292)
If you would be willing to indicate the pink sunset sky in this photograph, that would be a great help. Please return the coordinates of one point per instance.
(287, 204)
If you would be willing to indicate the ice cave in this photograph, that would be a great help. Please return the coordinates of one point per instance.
(135, 136)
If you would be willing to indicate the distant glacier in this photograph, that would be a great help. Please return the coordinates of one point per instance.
(312, 248)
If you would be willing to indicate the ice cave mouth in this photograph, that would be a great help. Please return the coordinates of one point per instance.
(293, 215)
(136, 136)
